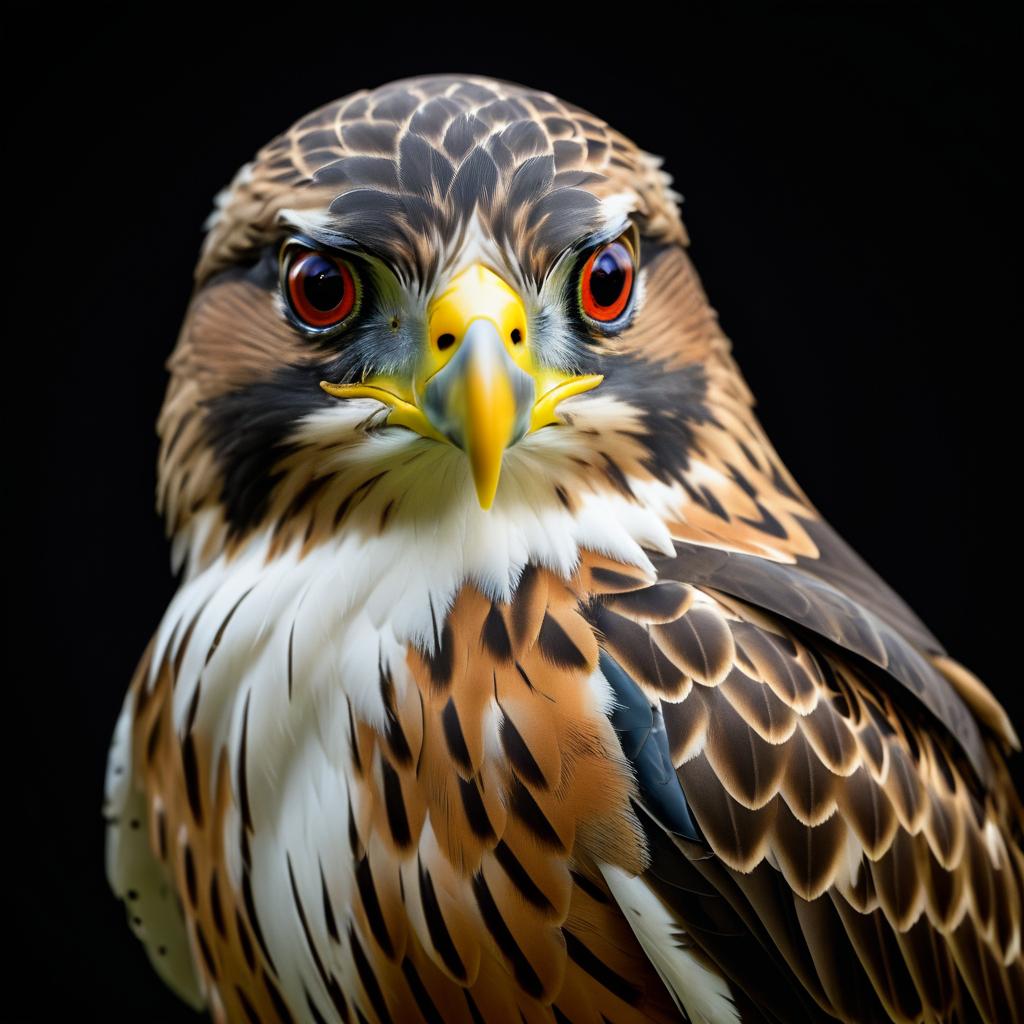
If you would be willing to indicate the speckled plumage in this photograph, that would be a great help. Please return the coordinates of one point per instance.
(644, 741)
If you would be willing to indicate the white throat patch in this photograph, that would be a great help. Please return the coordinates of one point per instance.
(437, 537)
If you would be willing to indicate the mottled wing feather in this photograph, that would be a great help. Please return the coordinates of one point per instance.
(844, 842)
(803, 594)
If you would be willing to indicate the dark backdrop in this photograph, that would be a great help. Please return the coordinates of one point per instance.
(853, 211)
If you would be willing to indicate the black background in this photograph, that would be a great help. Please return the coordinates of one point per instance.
(853, 211)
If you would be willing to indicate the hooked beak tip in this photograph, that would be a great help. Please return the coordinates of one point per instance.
(486, 495)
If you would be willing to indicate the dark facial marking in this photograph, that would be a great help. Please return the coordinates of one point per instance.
(671, 402)
(248, 428)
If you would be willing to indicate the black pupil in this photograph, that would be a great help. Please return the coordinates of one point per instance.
(608, 276)
(322, 283)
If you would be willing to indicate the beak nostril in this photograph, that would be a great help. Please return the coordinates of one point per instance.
(445, 341)
(517, 336)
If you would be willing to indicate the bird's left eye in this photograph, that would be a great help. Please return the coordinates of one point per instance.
(606, 282)
(322, 287)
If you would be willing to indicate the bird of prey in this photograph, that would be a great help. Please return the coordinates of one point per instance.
(511, 676)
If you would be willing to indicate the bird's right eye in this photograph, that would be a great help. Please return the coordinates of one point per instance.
(322, 287)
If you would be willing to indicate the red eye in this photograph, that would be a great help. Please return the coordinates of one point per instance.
(607, 282)
(321, 288)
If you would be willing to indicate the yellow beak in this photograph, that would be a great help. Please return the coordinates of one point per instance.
(481, 400)
(478, 385)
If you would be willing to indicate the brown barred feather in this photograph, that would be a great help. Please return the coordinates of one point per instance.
(188, 836)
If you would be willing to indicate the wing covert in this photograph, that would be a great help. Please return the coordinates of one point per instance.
(840, 837)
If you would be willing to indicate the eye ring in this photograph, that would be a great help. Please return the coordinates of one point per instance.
(322, 288)
(606, 281)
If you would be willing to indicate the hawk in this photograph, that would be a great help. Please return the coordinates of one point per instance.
(511, 676)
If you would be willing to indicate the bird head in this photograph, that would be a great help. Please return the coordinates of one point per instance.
(440, 297)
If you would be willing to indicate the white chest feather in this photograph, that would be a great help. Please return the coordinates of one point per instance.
(283, 651)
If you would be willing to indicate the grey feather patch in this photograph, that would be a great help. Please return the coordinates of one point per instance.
(641, 731)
